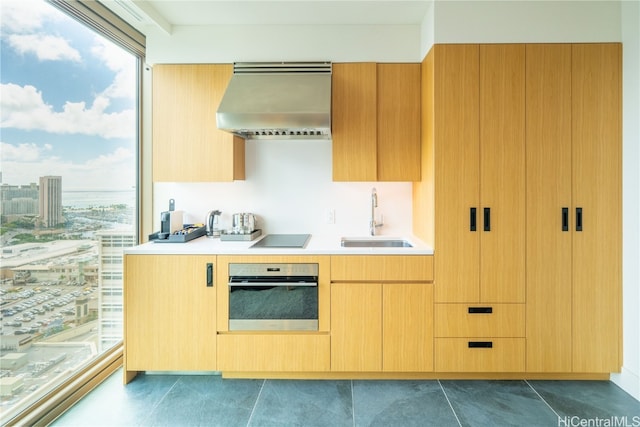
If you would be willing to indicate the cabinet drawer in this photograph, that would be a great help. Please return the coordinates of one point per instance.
(382, 268)
(480, 355)
(273, 353)
(479, 320)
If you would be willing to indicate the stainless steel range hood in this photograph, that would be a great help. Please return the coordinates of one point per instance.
(278, 100)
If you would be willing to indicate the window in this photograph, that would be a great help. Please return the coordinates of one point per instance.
(69, 185)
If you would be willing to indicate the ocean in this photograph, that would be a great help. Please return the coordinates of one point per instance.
(87, 199)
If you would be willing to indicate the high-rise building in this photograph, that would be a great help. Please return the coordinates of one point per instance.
(17, 200)
(50, 201)
(110, 284)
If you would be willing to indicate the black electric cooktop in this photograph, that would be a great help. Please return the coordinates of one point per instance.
(282, 241)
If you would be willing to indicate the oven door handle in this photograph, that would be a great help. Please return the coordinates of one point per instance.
(292, 284)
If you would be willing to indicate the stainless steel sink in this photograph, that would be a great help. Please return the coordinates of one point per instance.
(374, 243)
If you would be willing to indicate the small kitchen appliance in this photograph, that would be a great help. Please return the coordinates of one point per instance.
(244, 223)
(212, 223)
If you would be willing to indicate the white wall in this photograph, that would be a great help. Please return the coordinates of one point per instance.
(630, 377)
(527, 21)
(337, 43)
(288, 186)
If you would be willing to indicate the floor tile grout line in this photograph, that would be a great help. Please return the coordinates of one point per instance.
(157, 404)
(253, 410)
(449, 402)
(542, 398)
(353, 406)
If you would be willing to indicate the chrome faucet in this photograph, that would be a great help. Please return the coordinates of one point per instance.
(374, 204)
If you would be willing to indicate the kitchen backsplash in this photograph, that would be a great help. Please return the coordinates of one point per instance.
(289, 187)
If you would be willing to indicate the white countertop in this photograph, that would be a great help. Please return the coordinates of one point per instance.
(317, 245)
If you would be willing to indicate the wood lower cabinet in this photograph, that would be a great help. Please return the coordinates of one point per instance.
(480, 354)
(479, 338)
(376, 122)
(356, 327)
(272, 352)
(187, 145)
(407, 327)
(378, 326)
(169, 313)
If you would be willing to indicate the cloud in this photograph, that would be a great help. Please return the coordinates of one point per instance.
(25, 163)
(23, 108)
(23, 152)
(122, 63)
(25, 16)
(45, 47)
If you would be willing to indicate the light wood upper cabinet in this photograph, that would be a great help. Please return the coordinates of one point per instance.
(353, 121)
(170, 313)
(479, 157)
(376, 122)
(398, 122)
(187, 145)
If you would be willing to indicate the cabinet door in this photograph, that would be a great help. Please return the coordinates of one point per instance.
(170, 313)
(548, 193)
(353, 121)
(456, 132)
(356, 327)
(187, 145)
(407, 327)
(398, 148)
(502, 173)
(597, 165)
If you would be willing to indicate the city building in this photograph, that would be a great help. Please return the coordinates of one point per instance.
(50, 201)
(110, 301)
(18, 200)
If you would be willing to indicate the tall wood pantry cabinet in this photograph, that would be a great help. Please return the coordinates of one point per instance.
(522, 162)
(375, 122)
(574, 230)
(187, 145)
(479, 154)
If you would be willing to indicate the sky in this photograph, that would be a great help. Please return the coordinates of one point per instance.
(67, 101)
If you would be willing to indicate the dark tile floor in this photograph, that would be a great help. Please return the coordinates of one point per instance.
(209, 400)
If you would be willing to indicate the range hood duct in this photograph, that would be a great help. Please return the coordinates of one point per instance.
(277, 100)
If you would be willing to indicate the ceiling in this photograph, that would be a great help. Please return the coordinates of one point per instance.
(166, 14)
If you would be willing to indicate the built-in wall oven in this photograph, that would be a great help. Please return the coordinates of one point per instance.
(273, 296)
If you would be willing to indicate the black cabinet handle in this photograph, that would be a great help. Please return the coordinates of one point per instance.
(578, 219)
(472, 219)
(480, 344)
(565, 219)
(487, 219)
(480, 310)
(209, 275)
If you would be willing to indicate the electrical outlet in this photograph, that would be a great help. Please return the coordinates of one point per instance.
(330, 216)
